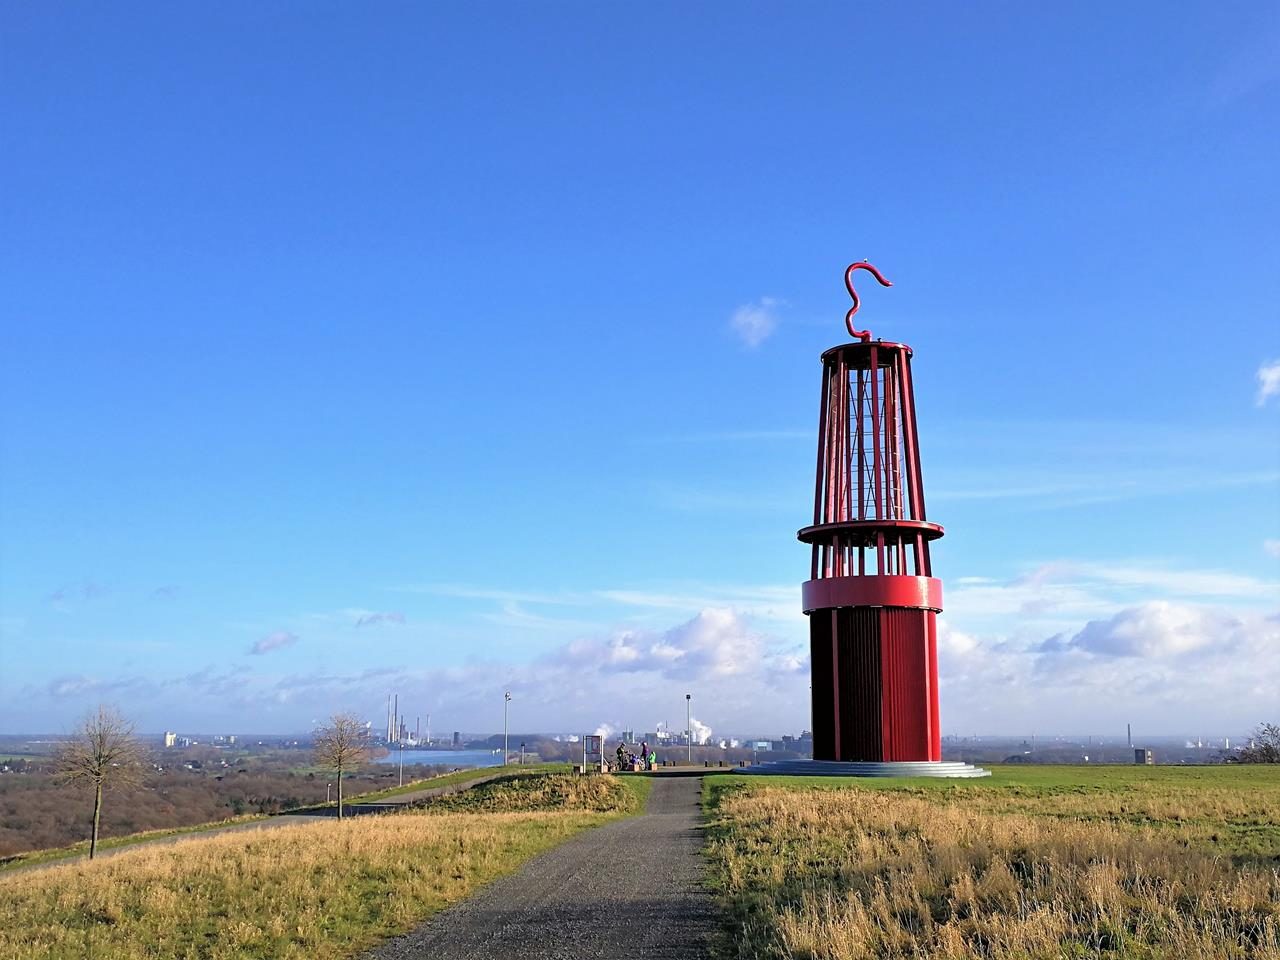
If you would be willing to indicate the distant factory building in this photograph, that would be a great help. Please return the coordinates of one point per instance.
(1144, 757)
(170, 739)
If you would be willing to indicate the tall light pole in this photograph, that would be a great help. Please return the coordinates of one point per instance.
(506, 700)
(688, 723)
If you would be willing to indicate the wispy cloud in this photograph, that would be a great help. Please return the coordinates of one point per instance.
(1107, 489)
(622, 678)
(755, 322)
(1268, 381)
(693, 499)
(1052, 596)
(1168, 665)
(470, 592)
(731, 436)
(274, 641)
(85, 590)
(374, 619)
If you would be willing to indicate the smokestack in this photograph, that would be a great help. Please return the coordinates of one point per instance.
(428, 728)
(417, 729)
(388, 718)
(1129, 732)
(396, 713)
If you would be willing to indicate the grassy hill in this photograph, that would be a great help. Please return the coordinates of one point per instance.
(1112, 862)
(320, 890)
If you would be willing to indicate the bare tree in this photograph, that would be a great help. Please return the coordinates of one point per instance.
(101, 750)
(341, 745)
(1264, 745)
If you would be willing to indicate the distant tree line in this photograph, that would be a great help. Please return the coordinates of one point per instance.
(104, 753)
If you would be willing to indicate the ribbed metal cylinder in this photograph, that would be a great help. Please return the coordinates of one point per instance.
(871, 598)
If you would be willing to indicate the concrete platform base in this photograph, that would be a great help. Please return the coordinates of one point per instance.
(831, 768)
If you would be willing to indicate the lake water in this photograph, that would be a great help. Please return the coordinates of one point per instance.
(451, 758)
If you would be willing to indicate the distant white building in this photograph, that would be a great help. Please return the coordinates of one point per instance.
(170, 739)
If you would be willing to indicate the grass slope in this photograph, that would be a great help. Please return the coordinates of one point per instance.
(320, 890)
(81, 848)
(1112, 862)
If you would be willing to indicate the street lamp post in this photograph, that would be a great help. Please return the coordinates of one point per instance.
(326, 792)
(688, 724)
(505, 701)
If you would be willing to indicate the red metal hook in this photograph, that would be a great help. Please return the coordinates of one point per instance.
(863, 335)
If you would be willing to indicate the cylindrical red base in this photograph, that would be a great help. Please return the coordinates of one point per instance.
(875, 684)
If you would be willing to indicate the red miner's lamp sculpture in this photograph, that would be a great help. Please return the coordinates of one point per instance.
(871, 597)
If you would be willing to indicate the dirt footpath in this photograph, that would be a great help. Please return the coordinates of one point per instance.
(632, 888)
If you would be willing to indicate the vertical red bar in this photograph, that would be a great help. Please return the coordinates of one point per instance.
(935, 714)
(832, 453)
(892, 478)
(841, 400)
(875, 431)
(888, 690)
(821, 468)
(835, 680)
(913, 444)
(861, 446)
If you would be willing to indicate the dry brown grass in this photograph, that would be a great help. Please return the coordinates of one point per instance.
(315, 891)
(867, 873)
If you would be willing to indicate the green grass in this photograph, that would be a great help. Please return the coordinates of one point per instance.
(1230, 809)
(457, 777)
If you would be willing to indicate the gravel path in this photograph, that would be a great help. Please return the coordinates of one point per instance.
(632, 888)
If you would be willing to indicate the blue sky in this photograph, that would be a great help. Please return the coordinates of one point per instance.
(441, 350)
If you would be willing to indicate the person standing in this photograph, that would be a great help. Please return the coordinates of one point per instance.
(644, 754)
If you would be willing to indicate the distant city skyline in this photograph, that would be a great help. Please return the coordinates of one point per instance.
(449, 352)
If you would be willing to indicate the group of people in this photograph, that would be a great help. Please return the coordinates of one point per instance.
(646, 759)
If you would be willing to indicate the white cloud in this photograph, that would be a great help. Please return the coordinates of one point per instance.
(1173, 667)
(754, 323)
(274, 641)
(1058, 596)
(1268, 381)
(1157, 630)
